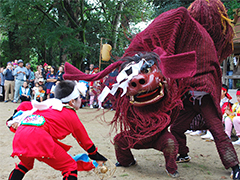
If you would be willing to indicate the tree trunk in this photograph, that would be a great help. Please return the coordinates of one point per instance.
(116, 24)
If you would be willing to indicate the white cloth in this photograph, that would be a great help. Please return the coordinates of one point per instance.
(223, 100)
(122, 80)
(53, 102)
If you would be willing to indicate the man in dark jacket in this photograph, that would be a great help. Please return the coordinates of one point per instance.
(9, 82)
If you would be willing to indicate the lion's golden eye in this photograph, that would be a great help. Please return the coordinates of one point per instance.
(147, 70)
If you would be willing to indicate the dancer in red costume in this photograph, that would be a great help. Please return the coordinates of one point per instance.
(179, 39)
(42, 124)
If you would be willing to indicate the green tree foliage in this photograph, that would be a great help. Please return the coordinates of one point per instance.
(161, 6)
(56, 31)
(231, 5)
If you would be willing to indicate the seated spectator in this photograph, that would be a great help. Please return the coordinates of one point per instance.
(25, 92)
(40, 94)
(35, 89)
(233, 118)
(41, 83)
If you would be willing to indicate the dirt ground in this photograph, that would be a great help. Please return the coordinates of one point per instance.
(205, 162)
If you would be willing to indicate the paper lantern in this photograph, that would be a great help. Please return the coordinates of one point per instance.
(106, 52)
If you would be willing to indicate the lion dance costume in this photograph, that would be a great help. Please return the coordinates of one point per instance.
(190, 45)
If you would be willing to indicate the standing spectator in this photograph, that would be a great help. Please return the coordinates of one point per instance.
(25, 92)
(32, 79)
(51, 79)
(60, 73)
(91, 66)
(28, 77)
(9, 82)
(230, 67)
(38, 74)
(15, 65)
(49, 70)
(20, 73)
(95, 90)
(45, 70)
(2, 78)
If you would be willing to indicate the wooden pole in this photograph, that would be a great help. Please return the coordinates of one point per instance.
(224, 71)
(100, 54)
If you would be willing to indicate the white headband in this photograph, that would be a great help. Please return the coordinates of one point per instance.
(80, 88)
(75, 93)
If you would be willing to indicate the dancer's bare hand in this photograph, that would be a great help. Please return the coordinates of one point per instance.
(100, 163)
(15, 125)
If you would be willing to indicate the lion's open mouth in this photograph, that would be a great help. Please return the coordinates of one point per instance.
(148, 97)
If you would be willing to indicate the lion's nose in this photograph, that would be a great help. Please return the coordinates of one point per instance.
(137, 82)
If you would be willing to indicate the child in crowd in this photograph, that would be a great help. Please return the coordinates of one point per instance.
(95, 89)
(39, 95)
(42, 125)
(25, 92)
(233, 118)
(35, 89)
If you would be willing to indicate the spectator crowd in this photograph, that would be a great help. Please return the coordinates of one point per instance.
(20, 83)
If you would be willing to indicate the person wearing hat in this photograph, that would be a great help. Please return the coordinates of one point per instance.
(20, 74)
